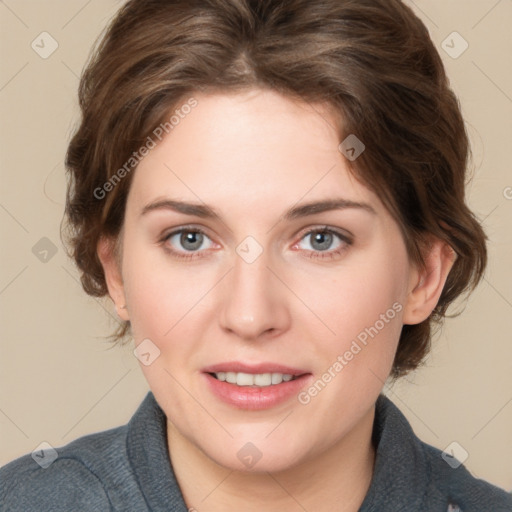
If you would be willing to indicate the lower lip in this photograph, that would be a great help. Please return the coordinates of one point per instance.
(254, 397)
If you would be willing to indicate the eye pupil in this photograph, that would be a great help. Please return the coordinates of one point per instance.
(323, 239)
(191, 240)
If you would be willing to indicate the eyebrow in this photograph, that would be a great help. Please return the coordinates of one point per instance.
(303, 210)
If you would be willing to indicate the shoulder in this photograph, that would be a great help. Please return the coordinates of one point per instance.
(73, 477)
(414, 475)
(450, 478)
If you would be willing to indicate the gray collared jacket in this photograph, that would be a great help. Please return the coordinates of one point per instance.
(128, 469)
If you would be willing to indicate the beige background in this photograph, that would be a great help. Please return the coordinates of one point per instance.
(60, 380)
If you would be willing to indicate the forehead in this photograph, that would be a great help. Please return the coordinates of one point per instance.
(245, 149)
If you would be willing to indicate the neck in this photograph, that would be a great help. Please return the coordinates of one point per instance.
(341, 475)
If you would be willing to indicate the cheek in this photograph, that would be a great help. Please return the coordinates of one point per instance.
(162, 293)
(363, 306)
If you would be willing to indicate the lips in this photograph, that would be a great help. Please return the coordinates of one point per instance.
(254, 386)
(238, 367)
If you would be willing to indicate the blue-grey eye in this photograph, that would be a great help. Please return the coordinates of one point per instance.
(191, 241)
(188, 240)
(322, 240)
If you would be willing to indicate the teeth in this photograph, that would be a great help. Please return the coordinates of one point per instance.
(262, 379)
(250, 379)
(244, 379)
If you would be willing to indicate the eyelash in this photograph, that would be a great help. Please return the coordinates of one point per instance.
(320, 255)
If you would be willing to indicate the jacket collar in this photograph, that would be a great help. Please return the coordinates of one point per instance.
(401, 470)
(148, 455)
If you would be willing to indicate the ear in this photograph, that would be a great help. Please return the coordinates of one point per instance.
(112, 268)
(426, 284)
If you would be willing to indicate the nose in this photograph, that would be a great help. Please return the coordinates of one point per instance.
(254, 302)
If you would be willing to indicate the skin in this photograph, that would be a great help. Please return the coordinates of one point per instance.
(251, 157)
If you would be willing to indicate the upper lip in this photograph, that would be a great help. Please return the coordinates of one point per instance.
(239, 367)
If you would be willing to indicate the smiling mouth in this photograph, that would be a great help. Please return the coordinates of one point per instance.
(253, 379)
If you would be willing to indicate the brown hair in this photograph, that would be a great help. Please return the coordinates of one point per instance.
(372, 61)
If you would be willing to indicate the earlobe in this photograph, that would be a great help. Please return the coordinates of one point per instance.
(113, 277)
(426, 284)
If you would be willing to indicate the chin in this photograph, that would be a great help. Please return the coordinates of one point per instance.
(254, 456)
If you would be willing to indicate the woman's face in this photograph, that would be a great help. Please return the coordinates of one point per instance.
(250, 253)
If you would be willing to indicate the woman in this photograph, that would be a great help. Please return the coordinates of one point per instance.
(272, 194)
